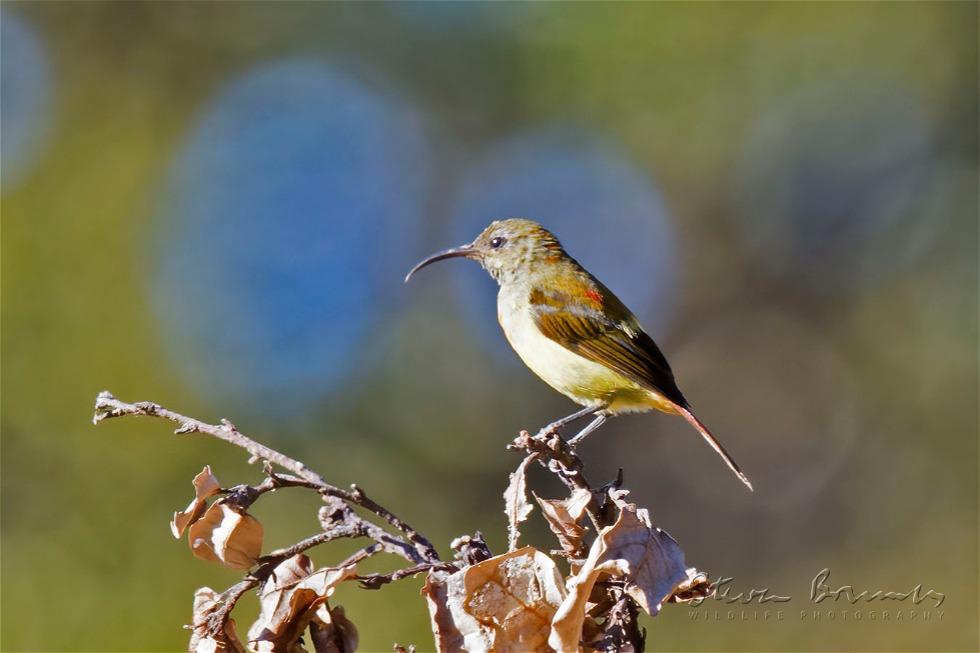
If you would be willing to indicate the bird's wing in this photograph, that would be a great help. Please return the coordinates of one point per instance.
(597, 325)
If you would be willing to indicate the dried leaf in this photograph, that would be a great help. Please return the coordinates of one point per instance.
(516, 505)
(502, 604)
(563, 516)
(578, 503)
(290, 599)
(654, 563)
(647, 557)
(205, 603)
(205, 485)
(288, 572)
(566, 627)
(332, 632)
(227, 536)
(696, 587)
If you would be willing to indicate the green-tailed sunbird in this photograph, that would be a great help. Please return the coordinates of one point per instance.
(573, 332)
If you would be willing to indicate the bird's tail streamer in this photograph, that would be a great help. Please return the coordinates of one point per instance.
(713, 441)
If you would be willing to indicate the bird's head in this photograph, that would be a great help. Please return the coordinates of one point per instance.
(506, 249)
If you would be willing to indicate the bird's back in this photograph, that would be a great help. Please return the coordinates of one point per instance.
(576, 335)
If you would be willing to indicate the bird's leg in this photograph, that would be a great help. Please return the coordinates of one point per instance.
(557, 424)
(593, 425)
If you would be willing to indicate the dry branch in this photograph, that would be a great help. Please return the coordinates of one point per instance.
(629, 564)
(337, 517)
(107, 406)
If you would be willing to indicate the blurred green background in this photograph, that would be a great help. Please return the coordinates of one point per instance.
(211, 205)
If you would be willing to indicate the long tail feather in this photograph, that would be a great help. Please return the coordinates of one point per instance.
(711, 440)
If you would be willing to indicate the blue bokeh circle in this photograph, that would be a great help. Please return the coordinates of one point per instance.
(25, 111)
(282, 212)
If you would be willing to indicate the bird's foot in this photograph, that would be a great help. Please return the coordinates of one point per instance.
(553, 428)
(581, 435)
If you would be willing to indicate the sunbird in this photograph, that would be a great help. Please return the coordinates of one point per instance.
(573, 332)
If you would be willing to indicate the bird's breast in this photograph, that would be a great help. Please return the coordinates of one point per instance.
(580, 379)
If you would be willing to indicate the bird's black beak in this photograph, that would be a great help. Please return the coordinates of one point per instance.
(467, 251)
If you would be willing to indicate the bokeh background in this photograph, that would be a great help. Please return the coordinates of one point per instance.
(212, 205)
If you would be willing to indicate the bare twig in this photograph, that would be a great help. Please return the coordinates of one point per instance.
(346, 530)
(107, 406)
(228, 599)
(337, 517)
(357, 556)
(375, 581)
(422, 545)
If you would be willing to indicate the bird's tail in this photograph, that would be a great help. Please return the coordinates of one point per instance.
(706, 434)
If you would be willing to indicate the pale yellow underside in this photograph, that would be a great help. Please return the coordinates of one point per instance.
(583, 381)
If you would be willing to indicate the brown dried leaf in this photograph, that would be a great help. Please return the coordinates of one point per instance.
(227, 536)
(502, 604)
(563, 516)
(516, 506)
(288, 572)
(654, 563)
(647, 557)
(696, 587)
(205, 485)
(290, 599)
(205, 603)
(566, 627)
(332, 632)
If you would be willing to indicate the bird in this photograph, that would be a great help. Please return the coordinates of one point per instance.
(573, 332)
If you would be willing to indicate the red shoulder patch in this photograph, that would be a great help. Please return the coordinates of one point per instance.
(594, 295)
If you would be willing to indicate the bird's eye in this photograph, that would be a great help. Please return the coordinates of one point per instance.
(497, 242)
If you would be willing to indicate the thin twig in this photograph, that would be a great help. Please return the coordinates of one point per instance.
(107, 407)
(375, 581)
(359, 555)
(337, 517)
(228, 599)
(277, 556)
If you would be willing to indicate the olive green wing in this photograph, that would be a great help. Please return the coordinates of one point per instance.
(597, 325)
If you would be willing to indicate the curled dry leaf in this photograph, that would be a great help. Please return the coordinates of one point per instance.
(290, 600)
(205, 485)
(332, 632)
(502, 604)
(563, 517)
(205, 603)
(648, 558)
(516, 505)
(697, 587)
(654, 563)
(227, 536)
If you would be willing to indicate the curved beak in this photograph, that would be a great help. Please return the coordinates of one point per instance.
(467, 251)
